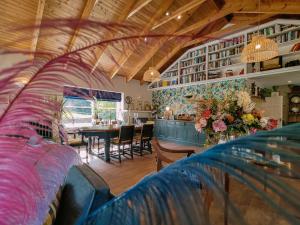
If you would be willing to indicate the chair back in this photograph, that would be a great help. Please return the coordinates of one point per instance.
(147, 131)
(126, 133)
(160, 157)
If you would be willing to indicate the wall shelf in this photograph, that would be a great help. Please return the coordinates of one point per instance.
(281, 71)
(214, 56)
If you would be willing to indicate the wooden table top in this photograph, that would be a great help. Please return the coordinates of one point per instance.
(103, 128)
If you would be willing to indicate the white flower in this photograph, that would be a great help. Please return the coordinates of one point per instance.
(244, 101)
(264, 122)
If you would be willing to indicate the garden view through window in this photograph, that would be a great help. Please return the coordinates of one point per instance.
(78, 112)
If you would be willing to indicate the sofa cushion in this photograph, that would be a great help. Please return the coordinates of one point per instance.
(84, 190)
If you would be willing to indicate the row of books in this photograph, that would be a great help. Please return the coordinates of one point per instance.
(219, 63)
(226, 53)
(198, 52)
(190, 62)
(171, 74)
(214, 74)
(273, 30)
(226, 44)
(193, 69)
(289, 36)
(193, 78)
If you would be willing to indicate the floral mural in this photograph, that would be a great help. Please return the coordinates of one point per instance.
(176, 100)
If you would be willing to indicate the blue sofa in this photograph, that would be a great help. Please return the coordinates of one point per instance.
(84, 191)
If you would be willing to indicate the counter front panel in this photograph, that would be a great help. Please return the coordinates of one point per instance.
(181, 132)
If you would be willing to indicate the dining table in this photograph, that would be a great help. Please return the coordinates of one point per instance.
(102, 132)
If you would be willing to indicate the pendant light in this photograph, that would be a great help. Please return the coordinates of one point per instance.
(152, 74)
(260, 48)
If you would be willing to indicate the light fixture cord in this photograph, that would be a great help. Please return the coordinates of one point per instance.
(258, 17)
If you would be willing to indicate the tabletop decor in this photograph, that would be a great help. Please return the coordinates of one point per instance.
(233, 116)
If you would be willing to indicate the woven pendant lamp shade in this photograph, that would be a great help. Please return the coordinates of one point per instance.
(259, 49)
(151, 75)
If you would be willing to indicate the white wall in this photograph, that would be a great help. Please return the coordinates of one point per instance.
(131, 88)
(118, 84)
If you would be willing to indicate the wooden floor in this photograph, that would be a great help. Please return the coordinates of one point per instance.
(121, 176)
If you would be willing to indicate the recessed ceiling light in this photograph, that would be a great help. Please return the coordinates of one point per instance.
(289, 81)
(179, 17)
(145, 39)
(167, 13)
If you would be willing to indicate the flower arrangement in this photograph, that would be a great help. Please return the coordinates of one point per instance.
(235, 115)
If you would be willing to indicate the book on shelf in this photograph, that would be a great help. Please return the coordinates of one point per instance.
(232, 42)
(192, 78)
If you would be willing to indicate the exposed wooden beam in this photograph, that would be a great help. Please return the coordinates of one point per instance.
(149, 54)
(192, 4)
(169, 55)
(162, 8)
(240, 23)
(138, 6)
(272, 7)
(38, 20)
(88, 8)
(215, 14)
(122, 17)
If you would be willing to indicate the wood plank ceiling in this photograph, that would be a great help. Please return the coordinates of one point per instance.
(198, 18)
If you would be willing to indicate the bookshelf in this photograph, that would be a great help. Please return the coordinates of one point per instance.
(219, 60)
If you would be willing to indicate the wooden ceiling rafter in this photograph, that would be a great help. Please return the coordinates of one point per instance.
(272, 7)
(156, 47)
(162, 9)
(219, 11)
(216, 14)
(138, 6)
(121, 18)
(86, 12)
(239, 24)
(38, 21)
(192, 4)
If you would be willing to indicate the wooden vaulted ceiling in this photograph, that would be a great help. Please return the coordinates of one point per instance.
(202, 19)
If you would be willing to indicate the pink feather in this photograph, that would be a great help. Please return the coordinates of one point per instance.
(31, 169)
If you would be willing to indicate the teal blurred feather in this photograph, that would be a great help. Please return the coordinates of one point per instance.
(175, 194)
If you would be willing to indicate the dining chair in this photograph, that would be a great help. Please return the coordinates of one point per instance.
(143, 140)
(126, 134)
(161, 157)
(77, 140)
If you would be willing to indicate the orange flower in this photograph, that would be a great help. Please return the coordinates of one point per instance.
(230, 118)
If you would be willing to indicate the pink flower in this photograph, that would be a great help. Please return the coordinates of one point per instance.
(203, 122)
(219, 126)
(272, 124)
(198, 127)
(253, 130)
(206, 114)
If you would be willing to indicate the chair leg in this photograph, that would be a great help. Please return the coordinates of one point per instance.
(149, 146)
(141, 148)
(87, 154)
(131, 150)
(119, 150)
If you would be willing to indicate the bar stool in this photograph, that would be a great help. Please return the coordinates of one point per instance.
(125, 138)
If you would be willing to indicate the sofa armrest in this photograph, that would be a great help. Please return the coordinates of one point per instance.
(84, 190)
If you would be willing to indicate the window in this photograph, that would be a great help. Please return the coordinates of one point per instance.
(107, 110)
(79, 112)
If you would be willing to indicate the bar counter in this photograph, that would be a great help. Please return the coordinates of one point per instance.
(178, 131)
